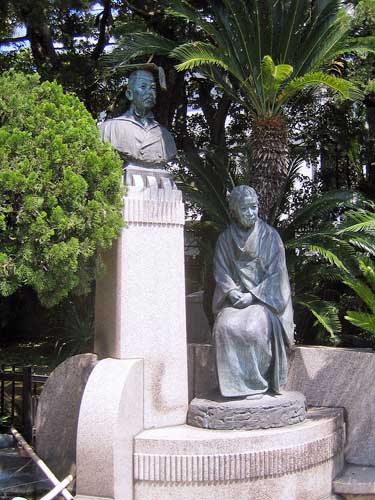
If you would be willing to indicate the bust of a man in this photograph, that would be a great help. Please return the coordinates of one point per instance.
(136, 135)
(252, 302)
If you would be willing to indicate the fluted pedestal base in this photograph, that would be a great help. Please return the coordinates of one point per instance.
(291, 463)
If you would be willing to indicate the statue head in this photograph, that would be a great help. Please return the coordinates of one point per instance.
(243, 206)
(141, 91)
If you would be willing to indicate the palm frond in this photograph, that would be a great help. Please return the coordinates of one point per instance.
(321, 207)
(330, 256)
(244, 19)
(363, 291)
(207, 184)
(274, 75)
(195, 54)
(279, 207)
(290, 20)
(359, 220)
(148, 43)
(325, 312)
(184, 10)
(363, 320)
(343, 87)
(324, 31)
(361, 45)
(136, 45)
(364, 244)
(368, 270)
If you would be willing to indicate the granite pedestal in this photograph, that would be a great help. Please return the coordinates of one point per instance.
(297, 462)
(140, 338)
(140, 302)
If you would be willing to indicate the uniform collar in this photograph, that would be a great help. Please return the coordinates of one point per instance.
(129, 117)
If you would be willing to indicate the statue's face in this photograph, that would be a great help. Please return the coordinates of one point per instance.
(247, 211)
(142, 92)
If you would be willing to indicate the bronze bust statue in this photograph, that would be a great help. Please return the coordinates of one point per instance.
(136, 135)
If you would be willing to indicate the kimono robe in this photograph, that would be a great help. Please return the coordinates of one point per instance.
(251, 342)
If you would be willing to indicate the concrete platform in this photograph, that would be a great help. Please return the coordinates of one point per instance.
(292, 463)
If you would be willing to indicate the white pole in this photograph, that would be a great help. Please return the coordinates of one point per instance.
(39, 462)
(58, 488)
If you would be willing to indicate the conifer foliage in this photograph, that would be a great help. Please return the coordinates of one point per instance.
(60, 190)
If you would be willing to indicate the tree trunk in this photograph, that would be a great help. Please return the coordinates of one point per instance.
(269, 165)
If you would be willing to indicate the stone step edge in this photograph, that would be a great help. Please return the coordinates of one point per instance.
(237, 466)
(355, 480)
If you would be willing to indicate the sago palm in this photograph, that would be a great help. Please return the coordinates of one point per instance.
(325, 242)
(261, 53)
(366, 292)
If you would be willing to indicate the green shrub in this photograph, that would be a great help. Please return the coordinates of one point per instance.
(60, 190)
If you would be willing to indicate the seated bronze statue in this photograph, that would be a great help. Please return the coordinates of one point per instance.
(252, 302)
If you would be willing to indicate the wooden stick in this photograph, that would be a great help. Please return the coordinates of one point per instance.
(39, 462)
(58, 488)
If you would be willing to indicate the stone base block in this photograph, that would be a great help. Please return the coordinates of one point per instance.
(357, 497)
(356, 483)
(291, 463)
(85, 497)
(58, 409)
(325, 376)
(111, 415)
(270, 410)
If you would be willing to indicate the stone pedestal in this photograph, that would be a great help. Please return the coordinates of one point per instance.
(290, 463)
(140, 302)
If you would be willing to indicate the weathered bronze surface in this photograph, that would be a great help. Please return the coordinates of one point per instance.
(136, 135)
(252, 301)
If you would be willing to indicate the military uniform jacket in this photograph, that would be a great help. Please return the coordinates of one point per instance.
(149, 144)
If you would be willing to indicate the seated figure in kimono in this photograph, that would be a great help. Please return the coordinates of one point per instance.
(252, 303)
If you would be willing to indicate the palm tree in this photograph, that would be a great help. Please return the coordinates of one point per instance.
(323, 240)
(261, 53)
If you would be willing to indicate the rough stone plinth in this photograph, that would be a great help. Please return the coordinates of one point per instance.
(279, 410)
(58, 412)
(290, 463)
(140, 302)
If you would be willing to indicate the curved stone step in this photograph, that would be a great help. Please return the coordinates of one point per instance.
(290, 463)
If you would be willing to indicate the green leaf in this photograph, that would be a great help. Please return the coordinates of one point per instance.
(273, 75)
(363, 291)
(343, 87)
(323, 252)
(325, 312)
(195, 54)
(362, 320)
